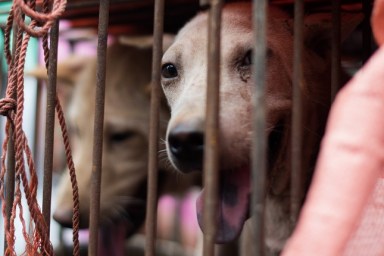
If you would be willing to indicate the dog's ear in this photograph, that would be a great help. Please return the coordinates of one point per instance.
(318, 30)
(145, 41)
(67, 70)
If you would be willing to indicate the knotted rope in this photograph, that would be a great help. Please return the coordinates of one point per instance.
(12, 106)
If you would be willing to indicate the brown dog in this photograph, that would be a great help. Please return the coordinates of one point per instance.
(125, 151)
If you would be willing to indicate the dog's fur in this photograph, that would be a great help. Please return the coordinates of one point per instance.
(185, 90)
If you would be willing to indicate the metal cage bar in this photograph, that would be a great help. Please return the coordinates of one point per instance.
(10, 180)
(11, 161)
(296, 139)
(259, 141)
(211, 141)
(153, 146)
(50, 124)
(98, 127)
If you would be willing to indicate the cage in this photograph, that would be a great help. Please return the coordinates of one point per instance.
(340, 33)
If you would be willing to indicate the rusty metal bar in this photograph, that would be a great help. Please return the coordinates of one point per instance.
(98, 128)
(259, 140)
(296, 138)
(153, 146)
(50, 124)
(211, 156)
(336, 56)
(367, 30)
(10, 180)
(11, 161)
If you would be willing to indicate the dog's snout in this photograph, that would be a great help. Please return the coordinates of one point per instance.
(63, 217)
(186, 144)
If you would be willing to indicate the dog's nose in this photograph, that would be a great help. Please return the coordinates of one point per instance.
(186, 144)
(63, 217)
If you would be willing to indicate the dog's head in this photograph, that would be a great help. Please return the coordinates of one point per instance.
(184, 80)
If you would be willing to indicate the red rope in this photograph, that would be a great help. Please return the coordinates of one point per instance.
(72, 173)
(12, 106)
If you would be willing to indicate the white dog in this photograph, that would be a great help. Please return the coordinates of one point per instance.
(184, 80)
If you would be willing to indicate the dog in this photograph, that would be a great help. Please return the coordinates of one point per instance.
(184, 82)
(125, 149)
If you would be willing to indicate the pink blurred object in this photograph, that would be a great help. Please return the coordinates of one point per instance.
(344, 211)
(190, 227)
(166, 216)
(177, 217)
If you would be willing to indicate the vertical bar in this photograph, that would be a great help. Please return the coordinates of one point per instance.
(259, 141)
(98, 127)
(211, 159)
(38, 121)
(50, 124)
(296, 139)
(336, 64)
(367, 31)
(154, 128)
(11, 161)
(10, 179)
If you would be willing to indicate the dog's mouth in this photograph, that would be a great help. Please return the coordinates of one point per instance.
(115, 229)
(111, 240)
(124, 209)
(113, 235)
(233, 205)
(234, 193)
(132, 216)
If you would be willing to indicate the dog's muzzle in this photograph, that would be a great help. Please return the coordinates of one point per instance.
(186, 147)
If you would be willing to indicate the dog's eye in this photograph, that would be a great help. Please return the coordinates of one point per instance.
(121, 136)
(247, 60)
(169, 70)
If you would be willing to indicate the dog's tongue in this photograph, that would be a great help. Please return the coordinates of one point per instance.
(233, 204)
(111, 240)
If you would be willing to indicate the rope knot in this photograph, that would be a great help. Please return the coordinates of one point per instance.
(6, 106)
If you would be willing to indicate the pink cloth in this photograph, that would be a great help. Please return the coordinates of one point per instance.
(344, 211)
